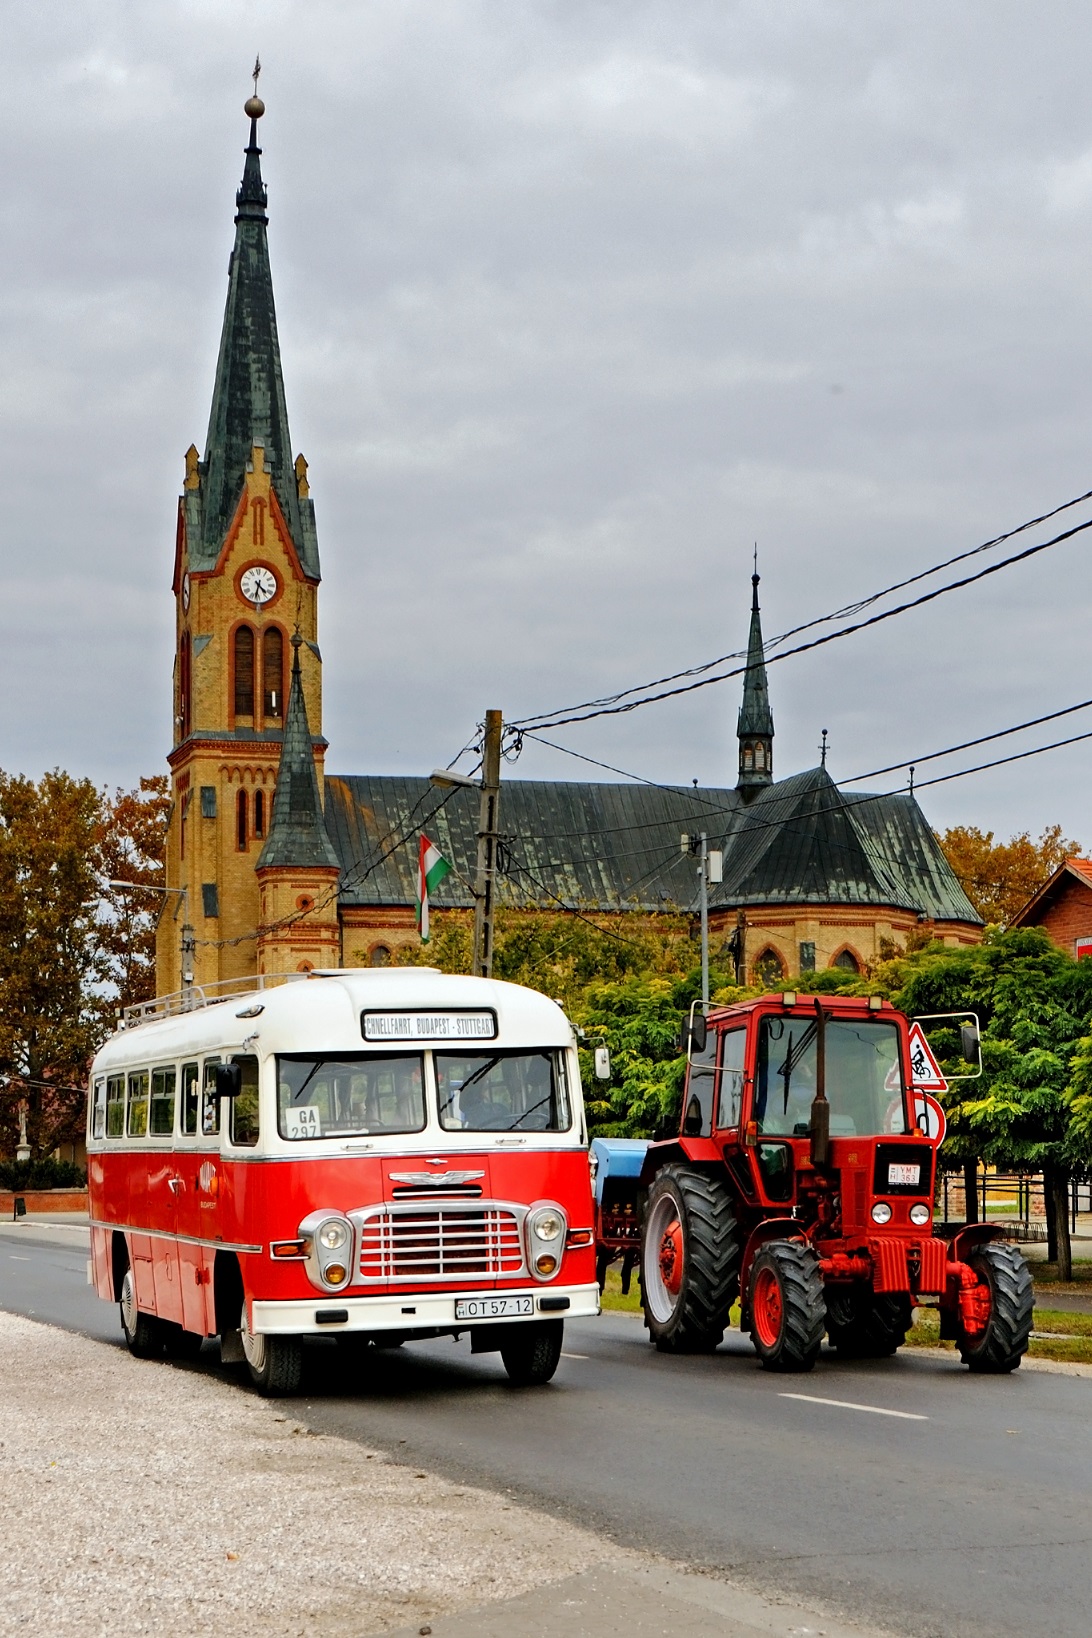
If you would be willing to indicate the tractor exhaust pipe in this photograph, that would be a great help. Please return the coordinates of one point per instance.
(820, 1108)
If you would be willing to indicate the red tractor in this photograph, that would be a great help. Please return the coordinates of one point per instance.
(801, 1182)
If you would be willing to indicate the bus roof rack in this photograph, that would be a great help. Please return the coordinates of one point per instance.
(195, 996)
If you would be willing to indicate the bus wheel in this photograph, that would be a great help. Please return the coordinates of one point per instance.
(142, 1331)
(532, 1355)
(275, 1363)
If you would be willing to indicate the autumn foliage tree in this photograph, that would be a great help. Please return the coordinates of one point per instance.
(1000, 877)
(133, 835)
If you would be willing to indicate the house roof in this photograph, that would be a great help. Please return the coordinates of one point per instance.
(1071, 870)
(616, 847)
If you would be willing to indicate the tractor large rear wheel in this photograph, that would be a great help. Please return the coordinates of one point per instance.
(863, 1325)
(999, 1348)
(788, 1314)
(689, 1261)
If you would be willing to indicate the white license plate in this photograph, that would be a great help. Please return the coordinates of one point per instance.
(901, 1174)
(493, 1307)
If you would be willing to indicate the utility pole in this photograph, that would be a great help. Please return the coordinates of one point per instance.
(710, 869)
(488, 811)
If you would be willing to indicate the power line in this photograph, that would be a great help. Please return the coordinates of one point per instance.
(589, 710)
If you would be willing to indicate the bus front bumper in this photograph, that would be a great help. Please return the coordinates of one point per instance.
(423, 1311)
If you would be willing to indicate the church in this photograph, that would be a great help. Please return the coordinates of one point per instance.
(275, 865)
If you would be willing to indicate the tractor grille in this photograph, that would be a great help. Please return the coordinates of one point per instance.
(442, 1243)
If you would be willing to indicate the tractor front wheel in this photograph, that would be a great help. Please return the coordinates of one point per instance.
(689, 1261)
(863, 1325)
(998, 1348)
(788, 1314)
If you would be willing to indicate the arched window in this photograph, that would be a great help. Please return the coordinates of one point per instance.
(769, 967)
(273, 672)
(244, 672)
(760, 757)
(259, 813)
(847, 961)
(379, 956)
(240, 821)
(184, 686)
(748, 758)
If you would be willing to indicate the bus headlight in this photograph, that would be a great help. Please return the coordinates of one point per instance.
(920, 1214)
(546, 1225)
(328, 1240)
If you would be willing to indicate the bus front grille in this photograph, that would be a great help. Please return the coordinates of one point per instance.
(440, 1243)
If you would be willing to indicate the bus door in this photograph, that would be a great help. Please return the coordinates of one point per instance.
(160, 1181)
(195, 1187)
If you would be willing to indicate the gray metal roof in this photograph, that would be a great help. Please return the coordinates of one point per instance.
(614, 847)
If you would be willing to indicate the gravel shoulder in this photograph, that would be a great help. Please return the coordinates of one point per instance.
(146, 1498)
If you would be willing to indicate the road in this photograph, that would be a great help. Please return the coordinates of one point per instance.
(968, 1511)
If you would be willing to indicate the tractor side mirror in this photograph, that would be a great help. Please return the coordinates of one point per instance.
(970, 1042)
(602, 1063)
(699, 1033)
(229, 1080)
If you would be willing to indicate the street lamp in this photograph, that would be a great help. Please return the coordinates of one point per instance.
(188, 941)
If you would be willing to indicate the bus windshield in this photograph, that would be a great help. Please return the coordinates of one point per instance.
(863, 1077)
(502, 1092)
(349, 1096)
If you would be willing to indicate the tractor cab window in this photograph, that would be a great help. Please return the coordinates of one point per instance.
(700, 1088)
(863, 1077)
(731, 1077)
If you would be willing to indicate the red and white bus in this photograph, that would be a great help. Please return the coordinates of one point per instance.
(377, 1154)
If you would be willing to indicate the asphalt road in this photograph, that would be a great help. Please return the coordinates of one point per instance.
(967, 1512)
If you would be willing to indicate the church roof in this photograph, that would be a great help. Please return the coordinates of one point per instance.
(755, 716)
(616, 847)
(248, 401)
(297, 835)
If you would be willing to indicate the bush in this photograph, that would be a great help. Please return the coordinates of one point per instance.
(41, 1174)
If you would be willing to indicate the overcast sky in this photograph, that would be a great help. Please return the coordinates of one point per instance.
(578, 299)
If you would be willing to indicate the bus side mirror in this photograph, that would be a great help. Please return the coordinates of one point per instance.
(969, 1042)
(602, 1063)
(229, 1080)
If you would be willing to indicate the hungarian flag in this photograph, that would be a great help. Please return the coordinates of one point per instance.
(432, 867)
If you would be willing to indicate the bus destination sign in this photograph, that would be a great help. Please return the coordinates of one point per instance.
(428, 1026)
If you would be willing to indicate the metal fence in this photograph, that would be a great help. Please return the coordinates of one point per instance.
(1015, 1199)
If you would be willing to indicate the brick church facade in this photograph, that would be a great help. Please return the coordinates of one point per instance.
(273, 865)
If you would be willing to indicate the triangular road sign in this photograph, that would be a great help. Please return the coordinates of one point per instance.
(925, 1073)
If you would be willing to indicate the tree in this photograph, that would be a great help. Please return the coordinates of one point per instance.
(133, 837)
(1000, 877)
(51, 967)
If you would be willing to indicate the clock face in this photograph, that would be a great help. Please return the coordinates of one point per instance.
(258, 585)
(186, 592)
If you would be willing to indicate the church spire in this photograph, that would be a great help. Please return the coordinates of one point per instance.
(297, 832)
(248, 400)
(755, 727)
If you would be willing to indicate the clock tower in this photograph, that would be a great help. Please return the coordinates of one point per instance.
(246, 576)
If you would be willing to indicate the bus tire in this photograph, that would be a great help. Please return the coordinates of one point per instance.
(533, 1352)
(143, 1332)
(275, 1363)
(1000, 1347)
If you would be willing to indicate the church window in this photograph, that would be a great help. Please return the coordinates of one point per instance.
(769, 967)
(241, 821)
(379, 956)
(259, 813)
(244, 672)
(748, 758)
(273, 672)
(210, 898)
(208, 801)
(760, 757)
(847, 961)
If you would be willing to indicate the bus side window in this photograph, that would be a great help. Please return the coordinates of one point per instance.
(731, 1077)
(189, 1100)
(161, 1123)
(98, 1109)
(210, 1104)
(115, 1106)
(244, 1107)
(138, 1104)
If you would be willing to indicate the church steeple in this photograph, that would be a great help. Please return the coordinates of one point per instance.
(755, 729)
(297, 833)
(248, 401)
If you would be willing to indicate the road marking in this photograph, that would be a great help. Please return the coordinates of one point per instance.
(14, 1259)
(573, 1356)
(847, 1404)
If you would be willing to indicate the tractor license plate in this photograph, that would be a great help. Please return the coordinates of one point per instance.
(900, 1175)
(478, 1308)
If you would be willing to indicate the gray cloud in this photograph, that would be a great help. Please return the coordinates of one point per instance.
(576, 302)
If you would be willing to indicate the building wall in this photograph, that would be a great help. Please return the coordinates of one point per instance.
(1069, 916)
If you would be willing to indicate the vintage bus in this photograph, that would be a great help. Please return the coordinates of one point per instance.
(377, 1155)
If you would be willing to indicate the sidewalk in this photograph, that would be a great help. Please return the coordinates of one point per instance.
(153, 1499)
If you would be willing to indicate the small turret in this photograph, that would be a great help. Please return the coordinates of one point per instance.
(755, 729)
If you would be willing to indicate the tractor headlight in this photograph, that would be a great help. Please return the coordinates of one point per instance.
(545, 1229)
(920, 1214)
(881, 1212)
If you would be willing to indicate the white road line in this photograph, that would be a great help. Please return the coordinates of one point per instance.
(14, 1259)
(847, 1404)
(564, 1355)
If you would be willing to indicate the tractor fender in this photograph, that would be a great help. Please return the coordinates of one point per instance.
(697, 1151)
(772, 1228)
(969, 1238)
